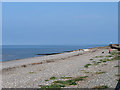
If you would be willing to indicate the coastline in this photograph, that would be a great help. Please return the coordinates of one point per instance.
(43, 59)
(43, 71)
(22, 52)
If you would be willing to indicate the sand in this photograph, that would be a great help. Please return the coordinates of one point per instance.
(32, 72)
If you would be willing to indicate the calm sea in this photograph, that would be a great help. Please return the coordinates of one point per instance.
(13, 52)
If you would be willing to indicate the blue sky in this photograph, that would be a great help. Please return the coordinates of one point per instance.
(59, 23)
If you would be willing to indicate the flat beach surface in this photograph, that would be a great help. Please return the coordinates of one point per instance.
(36, 72)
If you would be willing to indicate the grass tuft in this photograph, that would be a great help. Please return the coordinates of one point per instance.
(52, 78)
(109, 56)
(31, 72)
(100, 72)
(60, 83)
(66, 83)
(96, 63)
(66, 77)
(80, 78)
(99, 56)
(100, 87)
(86, 72)
(46, 80)
(87, 65)
(71, 81)
(105, 60)
(91, 59)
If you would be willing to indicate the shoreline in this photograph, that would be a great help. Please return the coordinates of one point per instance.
(45, 54)
(95, 64)
(40, 59)
(45, 59)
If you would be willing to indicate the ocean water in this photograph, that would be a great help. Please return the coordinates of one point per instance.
(15, 52)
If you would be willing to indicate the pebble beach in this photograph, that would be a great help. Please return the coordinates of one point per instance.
(88, 68)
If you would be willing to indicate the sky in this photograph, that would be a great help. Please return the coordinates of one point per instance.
(60, 23)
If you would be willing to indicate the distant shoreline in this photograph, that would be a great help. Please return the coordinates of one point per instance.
(46, 54)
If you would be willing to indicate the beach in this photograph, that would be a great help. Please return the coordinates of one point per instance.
(95, 65)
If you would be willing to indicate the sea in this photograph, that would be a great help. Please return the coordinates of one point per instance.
(16, 52)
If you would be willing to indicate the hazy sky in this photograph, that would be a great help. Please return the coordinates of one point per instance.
(59, 23)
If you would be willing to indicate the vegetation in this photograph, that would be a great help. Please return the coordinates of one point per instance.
(114, 53)
(46, 80)
(96, 63)
(65, 83)
(116, 57)
(105, 60)
(91, 59)
(73, 81)
(66, 77)
(31, 72)
(80, 78)
(109, 56)
(99, 56)
(87, 72)
(60, 83)
(100, 72)
(100, 87)
(87, 65)
(117, 66)
(52, 78)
